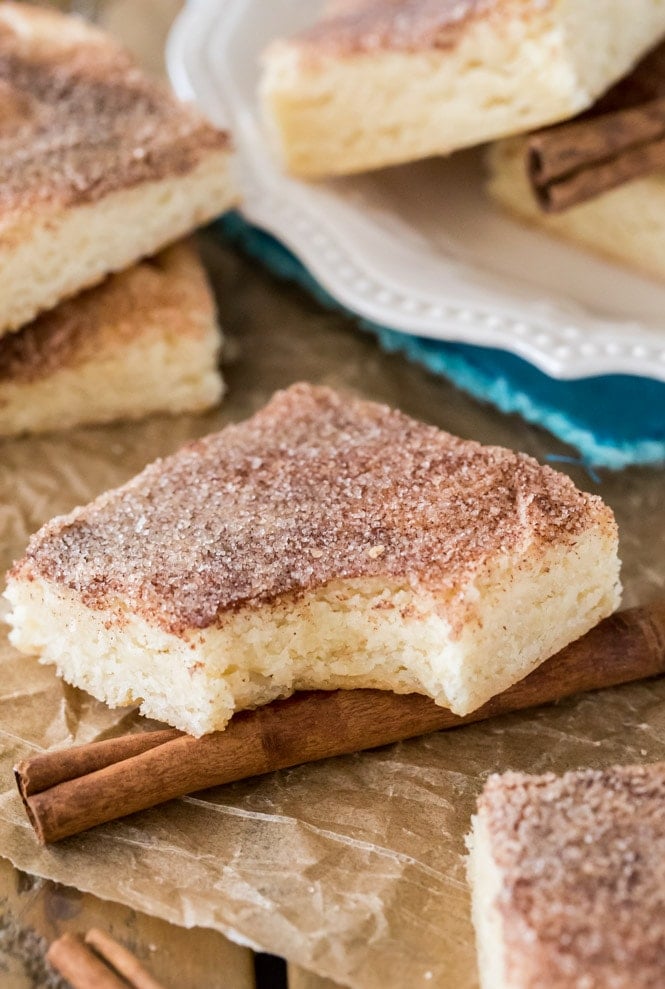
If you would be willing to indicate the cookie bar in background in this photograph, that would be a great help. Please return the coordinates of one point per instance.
(379, 82)
(598, 180)
(568, 879)
(99, 165)
(146, 340)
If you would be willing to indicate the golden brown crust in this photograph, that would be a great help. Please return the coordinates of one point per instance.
(168, 293)
(582, 865)
(355, 26)
(316, 487)
(80, 121)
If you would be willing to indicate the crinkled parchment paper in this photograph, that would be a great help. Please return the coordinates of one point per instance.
(352, 868)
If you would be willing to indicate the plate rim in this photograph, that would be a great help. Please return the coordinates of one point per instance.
(284, 209)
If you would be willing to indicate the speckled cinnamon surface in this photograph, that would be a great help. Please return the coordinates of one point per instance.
(400, 25)
(315, 487)
(78, 120)
(167, 294)
(582, 860)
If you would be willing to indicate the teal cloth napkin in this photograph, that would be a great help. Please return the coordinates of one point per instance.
(612, 420)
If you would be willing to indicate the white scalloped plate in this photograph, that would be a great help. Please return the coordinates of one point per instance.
(416, 248)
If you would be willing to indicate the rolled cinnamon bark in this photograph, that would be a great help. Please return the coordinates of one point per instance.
(579, 187)
(99, 963)
(50, 768)
(121, 960)
(568, 147)
(70, 957)
(629, 645)
(571, 163)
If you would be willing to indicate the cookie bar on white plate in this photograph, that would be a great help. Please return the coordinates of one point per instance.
(379, 82)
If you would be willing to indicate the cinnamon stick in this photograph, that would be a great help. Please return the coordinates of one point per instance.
(573, 162)
(99, 963)
(63, 800)
(120, 959)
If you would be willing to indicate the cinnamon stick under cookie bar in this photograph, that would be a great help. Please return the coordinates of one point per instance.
(621, 138)
(69, 791)
(98, 962)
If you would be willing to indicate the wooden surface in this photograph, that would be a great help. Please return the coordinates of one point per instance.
(34, 912)
(300, 979)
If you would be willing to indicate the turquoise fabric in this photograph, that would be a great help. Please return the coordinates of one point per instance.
(612, 420)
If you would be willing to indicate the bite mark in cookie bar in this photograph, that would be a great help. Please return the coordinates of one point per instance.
(326, 542)
(568, 879)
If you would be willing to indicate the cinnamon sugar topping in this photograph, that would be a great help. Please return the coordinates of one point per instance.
(79, 120)
(169, 290)
(398, 25)
(316, 487)
(582, 861)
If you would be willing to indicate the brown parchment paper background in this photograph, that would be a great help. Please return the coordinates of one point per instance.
(351, 868)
